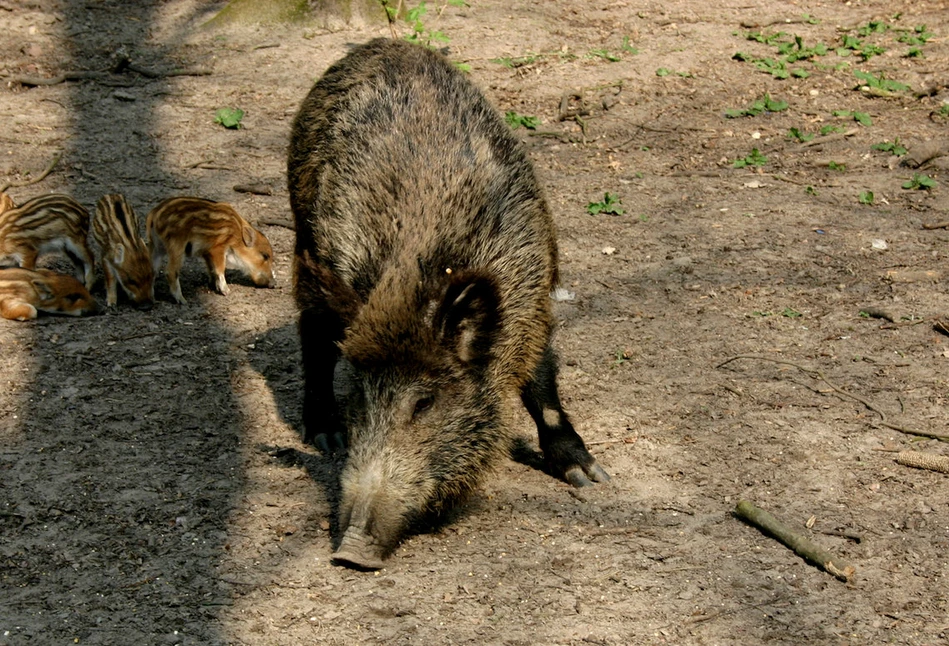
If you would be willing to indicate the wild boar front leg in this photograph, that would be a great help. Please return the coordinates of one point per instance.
(564, 452)
(321, 419)
(172, 270)
(111, 286)
(216, 261)
(82, 258)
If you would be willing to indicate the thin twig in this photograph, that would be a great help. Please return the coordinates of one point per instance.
(937, 225)
(275, 222)
(817, 374)
(38, 178)
(828, 138)
(33, 81)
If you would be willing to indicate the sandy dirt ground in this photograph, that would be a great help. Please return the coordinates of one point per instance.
(154, 488)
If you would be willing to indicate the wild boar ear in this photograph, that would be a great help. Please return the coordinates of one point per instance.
(248, 235)
(42, 289)
(469, 316)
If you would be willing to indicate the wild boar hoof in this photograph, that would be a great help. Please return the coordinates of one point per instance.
(358, 551)
(327, 443)
(586, 476)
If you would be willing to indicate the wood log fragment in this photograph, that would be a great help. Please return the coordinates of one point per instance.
(803, 547)
(919, 460)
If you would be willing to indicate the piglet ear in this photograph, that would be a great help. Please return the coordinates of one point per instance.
(469, 316)
(44, 291)
(247, 235)
(119, 256)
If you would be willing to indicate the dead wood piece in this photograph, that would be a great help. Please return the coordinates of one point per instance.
(817, 141)
(919, 460)
(802, 546)
(34, 180)
(853, 536)
(817, 374)
(33, 81)
(254, 189)
(937, 225)
(275, 222)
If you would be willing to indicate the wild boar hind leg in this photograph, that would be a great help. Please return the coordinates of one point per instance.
(564, 452)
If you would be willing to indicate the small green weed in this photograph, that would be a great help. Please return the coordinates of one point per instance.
(796, 51)
(873, 27)
(879, 82)
(810, 190)
(229, 117)
(627, 47)
(919, 36)
(801, 137)
(829, 129)
(866, 197)
(919, 182)
(754, 158)
(837, 166)
(767, 39)
(894, 147)
(862, 118)
(764, 104)
(791, 313)
(516, 120)
(605, 54)
(611, 204)
(517, 61)
(421, 34)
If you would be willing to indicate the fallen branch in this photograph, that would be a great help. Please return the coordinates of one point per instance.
(817, 141)
(817, 374)
(33, 81)
(803, 547)
(286, 224)
(254, 189)
(919, 460)
(937, 225)
(152, 74)
(38, 178)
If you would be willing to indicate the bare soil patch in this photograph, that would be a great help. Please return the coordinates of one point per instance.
(153, 485)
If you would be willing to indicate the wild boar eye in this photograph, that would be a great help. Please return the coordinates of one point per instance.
(422, 404)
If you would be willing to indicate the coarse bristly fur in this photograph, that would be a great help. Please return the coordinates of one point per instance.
(425, 256)
(192, 226)
(25, 292)
(43, 224)
(125, 257)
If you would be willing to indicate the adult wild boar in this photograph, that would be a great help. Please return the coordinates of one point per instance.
(425, 256)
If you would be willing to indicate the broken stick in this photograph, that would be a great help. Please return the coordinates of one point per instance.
(919, 460)
(34, 180)
(803, 547)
